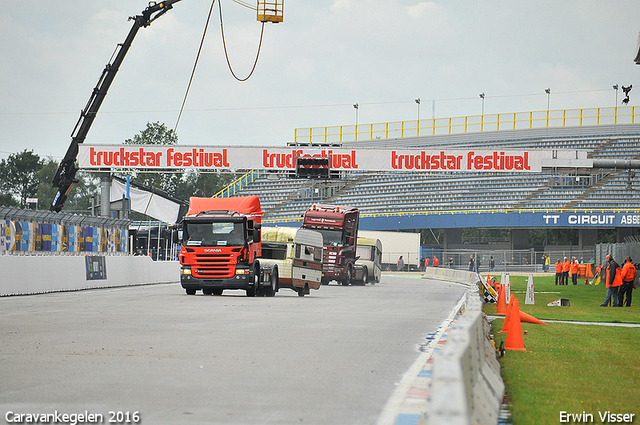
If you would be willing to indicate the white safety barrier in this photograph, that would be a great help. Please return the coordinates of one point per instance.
(24, 275)
(466, 386)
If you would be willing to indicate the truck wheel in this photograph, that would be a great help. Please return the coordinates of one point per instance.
(270, 291)
(365, 277)
(347, 279)
(300, 292)
(207, 291)
(191, 291)
(217, 291)
(251, 292)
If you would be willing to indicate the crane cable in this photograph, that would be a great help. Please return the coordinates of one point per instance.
(227, 55)
(184, 101)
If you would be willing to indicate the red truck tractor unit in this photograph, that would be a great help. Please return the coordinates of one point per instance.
(221, 248)
(339, 228)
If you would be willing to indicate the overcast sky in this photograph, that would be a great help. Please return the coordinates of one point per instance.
(326, 56)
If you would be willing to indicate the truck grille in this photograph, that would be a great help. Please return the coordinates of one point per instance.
(214, 266)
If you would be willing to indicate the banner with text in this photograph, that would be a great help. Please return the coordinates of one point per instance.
(269, 158)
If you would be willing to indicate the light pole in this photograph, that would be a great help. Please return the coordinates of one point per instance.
(418, 121)
(548, 92)
(355, 106)
(482, 97)
(615, 87)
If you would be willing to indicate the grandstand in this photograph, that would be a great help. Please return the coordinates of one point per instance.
(446, 200)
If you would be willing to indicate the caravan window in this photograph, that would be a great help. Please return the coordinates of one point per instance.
(306, 251)
(365, 252)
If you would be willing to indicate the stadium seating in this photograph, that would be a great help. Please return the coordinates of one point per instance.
(286, 199)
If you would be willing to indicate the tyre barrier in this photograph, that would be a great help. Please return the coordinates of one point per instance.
(466, 386)
(37, 274)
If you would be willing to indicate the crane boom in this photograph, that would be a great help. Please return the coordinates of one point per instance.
(65, 176)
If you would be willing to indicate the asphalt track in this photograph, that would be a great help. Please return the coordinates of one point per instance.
(333, 357)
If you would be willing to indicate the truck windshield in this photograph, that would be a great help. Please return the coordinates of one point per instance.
(214, 234)
(365, 252)
(331, 237)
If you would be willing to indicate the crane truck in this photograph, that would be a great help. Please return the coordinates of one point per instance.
(221, 248)
(65, 176)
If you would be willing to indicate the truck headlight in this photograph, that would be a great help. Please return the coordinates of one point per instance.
(185, 271)
(242, 271)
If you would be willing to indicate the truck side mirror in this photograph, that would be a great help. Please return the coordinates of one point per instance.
(177, 236)
(256, 234)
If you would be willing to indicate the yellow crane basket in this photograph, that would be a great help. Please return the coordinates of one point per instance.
(270, 10)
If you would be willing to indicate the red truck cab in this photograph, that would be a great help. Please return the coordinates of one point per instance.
(221, 247)
(339, 228)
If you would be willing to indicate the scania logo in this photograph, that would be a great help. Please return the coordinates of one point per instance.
(212, 250)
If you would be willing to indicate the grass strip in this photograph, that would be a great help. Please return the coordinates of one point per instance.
(572, 368)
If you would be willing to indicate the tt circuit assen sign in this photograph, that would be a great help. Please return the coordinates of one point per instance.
(268, 158)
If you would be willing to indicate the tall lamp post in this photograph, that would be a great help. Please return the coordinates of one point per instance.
(418, 121)
(355, 106)
(482, 97)
(548, 92)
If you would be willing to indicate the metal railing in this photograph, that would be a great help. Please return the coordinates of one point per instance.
(240, 183)
(469, 124)
(472, 211)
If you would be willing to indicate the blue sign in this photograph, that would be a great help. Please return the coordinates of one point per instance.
(501, 220)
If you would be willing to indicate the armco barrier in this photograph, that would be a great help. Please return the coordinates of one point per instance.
(22, 275)
(466, 386)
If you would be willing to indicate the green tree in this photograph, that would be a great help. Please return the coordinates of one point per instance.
(196, 183)
(156, 134)
(181, 185)
(86, 188)
(19, 177)
(46, 192)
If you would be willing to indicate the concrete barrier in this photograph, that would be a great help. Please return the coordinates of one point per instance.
(470, 279)
(23, 275)
(466, 386)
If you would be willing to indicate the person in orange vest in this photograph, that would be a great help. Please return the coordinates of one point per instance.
(598, 277)
(436, 262)
(628, 277)
(613, 280)
(559, 272)
(574, 271)
(566, 265)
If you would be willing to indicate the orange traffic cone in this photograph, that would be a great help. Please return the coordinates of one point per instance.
(524, 317)
(514, 333)
(502, 301)
(507, 318)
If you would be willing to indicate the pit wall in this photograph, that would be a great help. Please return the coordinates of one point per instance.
(466, 386)
(28, 274)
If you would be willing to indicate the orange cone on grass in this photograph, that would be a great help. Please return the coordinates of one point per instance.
(524, 317)
(507, 319)
(514, 332)
(502, 301)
